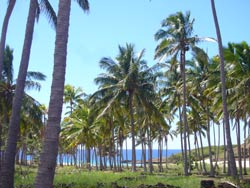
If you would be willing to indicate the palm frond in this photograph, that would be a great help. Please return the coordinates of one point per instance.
(35, 75)
(84, 4)
(49, 12)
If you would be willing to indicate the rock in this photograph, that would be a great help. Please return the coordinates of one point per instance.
(226, 185)
(207, 184)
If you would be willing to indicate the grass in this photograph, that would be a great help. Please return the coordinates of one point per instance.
(72, 177)
(80, 178)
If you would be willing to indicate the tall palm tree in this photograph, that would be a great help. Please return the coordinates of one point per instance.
(112, 123)
(175, 39)
(4, 32)
(2, 49)
(7, 90)
(128, 80)
(237, 57)
(9, 162)
(200, 103)
(46, 169)
(231, 159)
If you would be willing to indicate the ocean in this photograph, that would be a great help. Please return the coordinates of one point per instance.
(67, 158)
(154, 154)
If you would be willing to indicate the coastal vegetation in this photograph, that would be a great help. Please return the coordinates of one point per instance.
(185, 94)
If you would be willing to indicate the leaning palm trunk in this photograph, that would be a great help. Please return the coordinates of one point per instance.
(4, 33)
(2, 47)
(14, 128)
(231, 159)
(46, 169)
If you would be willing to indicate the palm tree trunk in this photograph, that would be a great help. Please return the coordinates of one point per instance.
(166, 143)
(239, 146)
(198, 152)
(121, 154)
(1, 154)
(131, 111)
(181, 125)
(9, 161)
(215, 153)
(144, 155)
(245, 146)
(209, 144)
(88, 156)
(231, 160)
(2, 47)
(248, 144)
(184, 111)
(127, 152)
(100, 155)
(113, 149)
(225, 149)
(46, 169)
(218, 149)
(204, 169)
(150, 162)
(96, 162)
(160, 155)
(4, 33)
(189, 154)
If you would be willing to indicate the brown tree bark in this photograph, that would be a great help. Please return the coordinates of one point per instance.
(231, 159)
(48, 158)
(7, 178)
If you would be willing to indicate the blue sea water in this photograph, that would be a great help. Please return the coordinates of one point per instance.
(127, 155)
(154, 154)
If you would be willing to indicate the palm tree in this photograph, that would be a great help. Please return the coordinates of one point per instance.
(6, 92)
(129, 81)
(79, 129)
(237, 57)
(30, 128)
(2, 49)
(72, 96)
(4, 32)
(9, 163)
(46, 169)
(176, 38)
(198, 76)
(231, 159)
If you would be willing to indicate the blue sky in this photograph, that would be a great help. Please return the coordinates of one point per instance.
(116, 22)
